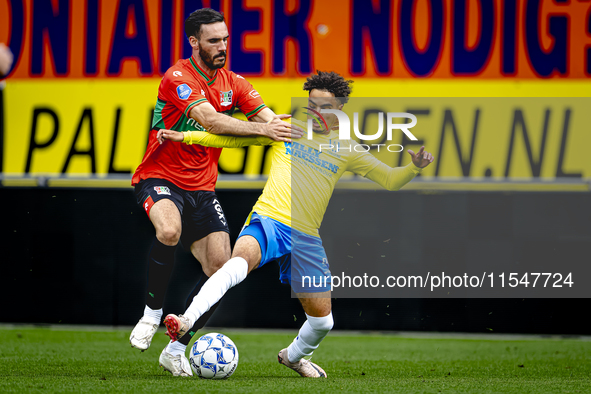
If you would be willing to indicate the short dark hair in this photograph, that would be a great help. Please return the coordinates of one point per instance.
(330, 82)
(203, 16)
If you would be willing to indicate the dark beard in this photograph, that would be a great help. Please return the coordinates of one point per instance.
(208, 60)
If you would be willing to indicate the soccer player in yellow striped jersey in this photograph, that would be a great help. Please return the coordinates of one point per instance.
(283, 225)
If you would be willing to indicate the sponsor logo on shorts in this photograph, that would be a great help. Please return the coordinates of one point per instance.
(162, 190)
(218, 208)
(226, 98)
(184, 91)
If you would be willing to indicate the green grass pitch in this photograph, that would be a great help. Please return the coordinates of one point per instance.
(50, 360)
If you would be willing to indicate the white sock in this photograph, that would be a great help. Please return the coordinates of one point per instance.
(176, 348)
(232, 273)
(154, 316)
(313, 331)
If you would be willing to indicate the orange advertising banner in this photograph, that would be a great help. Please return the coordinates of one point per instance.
(516, 39)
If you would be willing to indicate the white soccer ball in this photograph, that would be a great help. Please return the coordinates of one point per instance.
(214, 356)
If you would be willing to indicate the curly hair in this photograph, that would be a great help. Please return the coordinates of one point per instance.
(203, 16)
(330, 82)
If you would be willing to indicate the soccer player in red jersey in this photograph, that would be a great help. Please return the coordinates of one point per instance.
(175, 183)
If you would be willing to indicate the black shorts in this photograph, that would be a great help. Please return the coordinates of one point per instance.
(201, 212)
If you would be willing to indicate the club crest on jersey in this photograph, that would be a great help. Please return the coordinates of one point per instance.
(226, 98)
(162, 190)
(184, 91)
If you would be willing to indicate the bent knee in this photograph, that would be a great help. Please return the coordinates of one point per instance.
(169, 235)
(324, 323)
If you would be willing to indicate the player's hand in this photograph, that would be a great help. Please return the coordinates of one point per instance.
(279, 130)
(421, 159)
(172, 135)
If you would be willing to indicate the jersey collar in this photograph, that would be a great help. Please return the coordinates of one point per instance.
(208, 80)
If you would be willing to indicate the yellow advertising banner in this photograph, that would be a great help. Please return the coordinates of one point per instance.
(100, 127)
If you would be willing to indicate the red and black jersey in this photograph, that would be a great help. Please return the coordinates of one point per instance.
(185, 85)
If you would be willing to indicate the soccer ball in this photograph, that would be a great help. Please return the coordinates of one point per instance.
(214, 356)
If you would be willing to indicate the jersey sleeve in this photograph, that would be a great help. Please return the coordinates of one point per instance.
(183, 92)
(393, 178)
(361, 163)
(222, 141)
(248, 100)
(367, 165)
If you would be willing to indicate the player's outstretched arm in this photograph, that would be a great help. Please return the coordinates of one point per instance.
(266, 115)
(216, 123)
(207, 139)
(394, 178)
